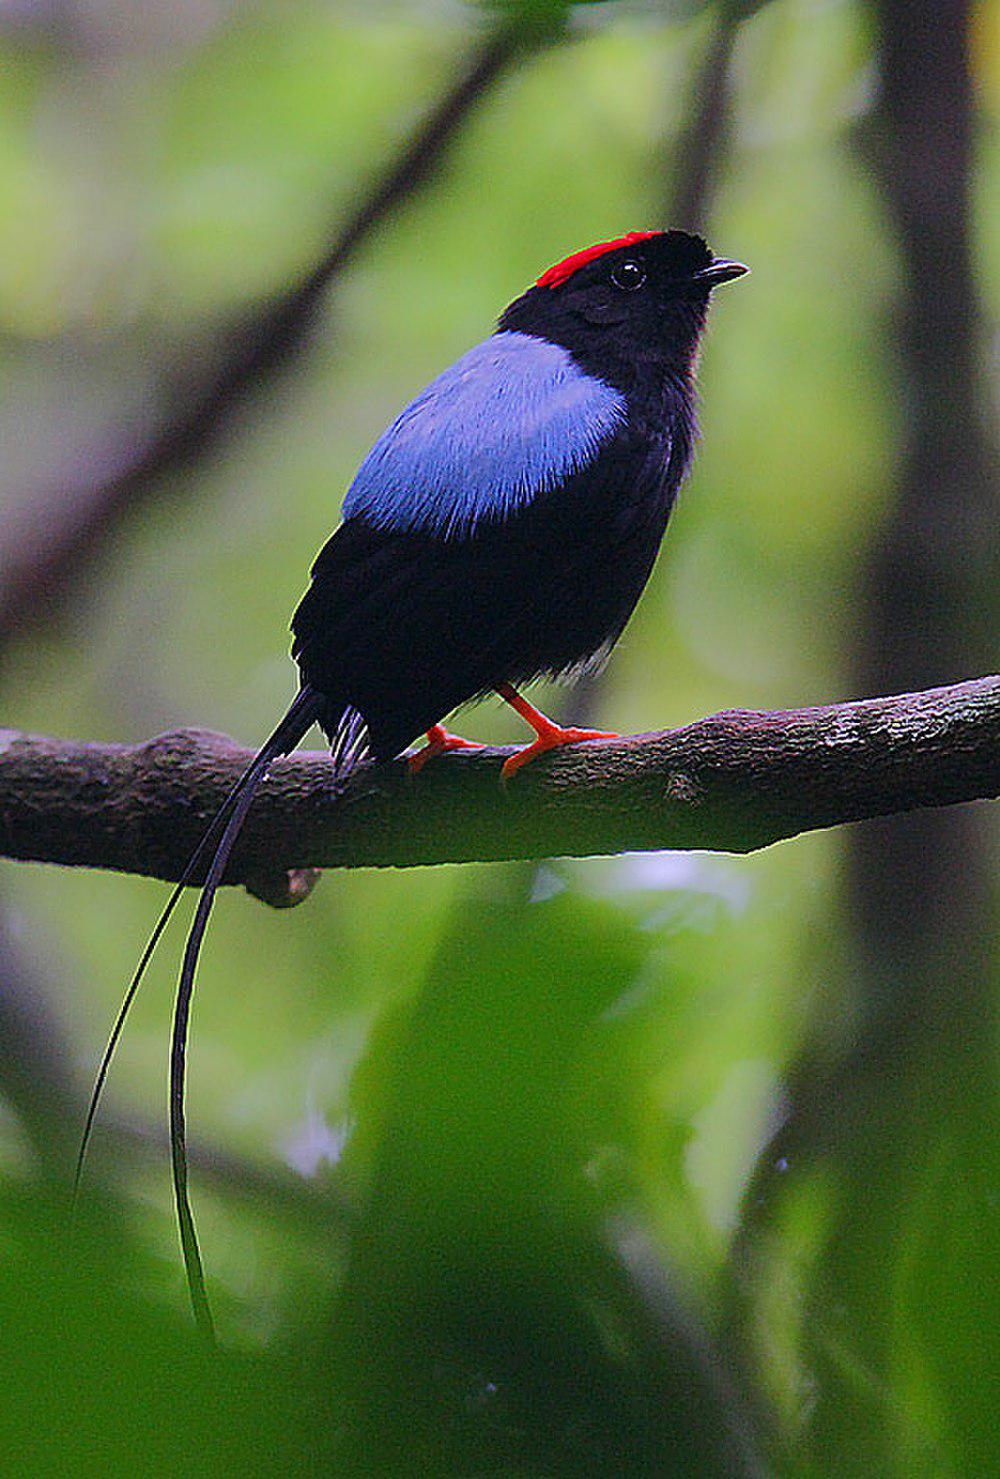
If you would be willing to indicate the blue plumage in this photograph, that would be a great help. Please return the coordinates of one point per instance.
(512, 418)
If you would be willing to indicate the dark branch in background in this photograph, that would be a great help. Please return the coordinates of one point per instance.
(734, 782)
(85, 516)
(698, 151)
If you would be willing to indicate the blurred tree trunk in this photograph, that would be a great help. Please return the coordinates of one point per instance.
(910, 1119)
(921, 886)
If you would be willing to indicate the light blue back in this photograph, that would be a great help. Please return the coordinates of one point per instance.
(512, 418)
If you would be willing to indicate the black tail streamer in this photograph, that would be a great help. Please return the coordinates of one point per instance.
(214, 831)
(221, 834)
(178, 1057)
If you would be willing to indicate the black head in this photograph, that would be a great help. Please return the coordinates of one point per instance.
(628, 310)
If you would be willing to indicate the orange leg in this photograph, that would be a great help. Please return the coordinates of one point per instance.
(438, 741)
(548, 734)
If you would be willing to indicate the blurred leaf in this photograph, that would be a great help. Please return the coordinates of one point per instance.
(486, 1298)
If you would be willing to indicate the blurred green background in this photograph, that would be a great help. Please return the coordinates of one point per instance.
(670, 1164)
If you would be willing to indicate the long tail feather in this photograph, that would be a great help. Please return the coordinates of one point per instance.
(214, 831)
(178, 1055)
(306, 707)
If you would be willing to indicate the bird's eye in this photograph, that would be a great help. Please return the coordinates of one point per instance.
(628, 276)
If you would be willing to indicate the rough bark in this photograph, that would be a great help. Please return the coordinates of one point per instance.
(734, 782)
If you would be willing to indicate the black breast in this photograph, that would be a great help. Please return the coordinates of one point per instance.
(407, 626)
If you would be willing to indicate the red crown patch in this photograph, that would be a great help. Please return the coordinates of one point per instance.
(565, 269)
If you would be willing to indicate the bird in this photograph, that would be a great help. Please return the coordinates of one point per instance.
(501, 529)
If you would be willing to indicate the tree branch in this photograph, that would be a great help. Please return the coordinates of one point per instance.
(734, 782)
(698, 153)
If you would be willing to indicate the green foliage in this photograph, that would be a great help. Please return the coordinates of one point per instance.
(471, 1147)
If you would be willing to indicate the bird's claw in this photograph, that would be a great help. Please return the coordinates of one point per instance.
(552, 738)
(438, 741)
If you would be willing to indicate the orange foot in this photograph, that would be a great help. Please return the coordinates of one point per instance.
(438, 741)
(548, 734)
(552, 738)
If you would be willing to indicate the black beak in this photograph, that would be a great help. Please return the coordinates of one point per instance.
(721, 270)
